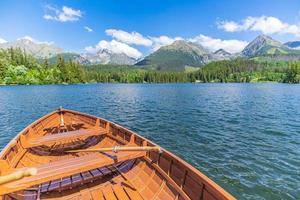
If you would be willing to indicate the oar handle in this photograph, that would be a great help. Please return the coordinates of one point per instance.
(142, 148)
(18, 175)
(119, 148)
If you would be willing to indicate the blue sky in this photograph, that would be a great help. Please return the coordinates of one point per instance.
(138, 27)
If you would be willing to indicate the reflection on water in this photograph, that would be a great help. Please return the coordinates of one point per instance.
(244, 136)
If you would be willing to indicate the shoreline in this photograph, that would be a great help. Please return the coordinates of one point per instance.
(266, 82)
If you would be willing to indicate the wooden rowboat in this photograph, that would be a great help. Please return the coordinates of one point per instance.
(71, 155)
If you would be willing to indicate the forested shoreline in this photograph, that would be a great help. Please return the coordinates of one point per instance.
(17, 67)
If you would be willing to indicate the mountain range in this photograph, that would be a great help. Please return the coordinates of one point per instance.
(174, 57)
(46, 50)
(37, 49)
(103, 56)
(181, 54)
(106, 56)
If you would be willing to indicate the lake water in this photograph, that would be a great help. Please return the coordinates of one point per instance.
(246, 137)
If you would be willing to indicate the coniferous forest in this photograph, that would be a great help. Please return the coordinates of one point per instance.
(17, 67)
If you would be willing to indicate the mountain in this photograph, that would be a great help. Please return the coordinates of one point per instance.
(37, 49)
(177, 56)
(69, 56)
(264, 45)
(221, 54)
(105, 56)
(293, 44)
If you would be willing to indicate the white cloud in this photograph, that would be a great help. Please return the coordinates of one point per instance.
(264, 24)
(129, 38)
(138, 39)
(163, 41)
(228, 26)
(35, 40)
(213, 44)
(64, 15)
(2, 41)
(116, 47)
(88, 29)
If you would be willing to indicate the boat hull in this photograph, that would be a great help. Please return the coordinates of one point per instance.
(96, 175)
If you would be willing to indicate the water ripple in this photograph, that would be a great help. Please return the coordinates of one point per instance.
(246, 137)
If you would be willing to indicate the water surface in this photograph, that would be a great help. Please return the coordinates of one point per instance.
(246, 137)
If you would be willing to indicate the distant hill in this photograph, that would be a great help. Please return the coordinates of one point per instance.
(265, 46)
(176, 57)
(37, 49)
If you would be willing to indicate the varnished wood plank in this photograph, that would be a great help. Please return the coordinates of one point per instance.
(109, 193)
(97, 194)
(49, 139)
(133, 194)
(120, 193)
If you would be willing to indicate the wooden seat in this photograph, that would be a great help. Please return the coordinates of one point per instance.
(62, 137)
(68, 167)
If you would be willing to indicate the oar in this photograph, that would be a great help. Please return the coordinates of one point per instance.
(118, 148)
(18, 175)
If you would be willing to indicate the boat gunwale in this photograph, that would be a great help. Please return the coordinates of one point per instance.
(205, 180)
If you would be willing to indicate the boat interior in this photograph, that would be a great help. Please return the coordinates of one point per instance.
(61, 174)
